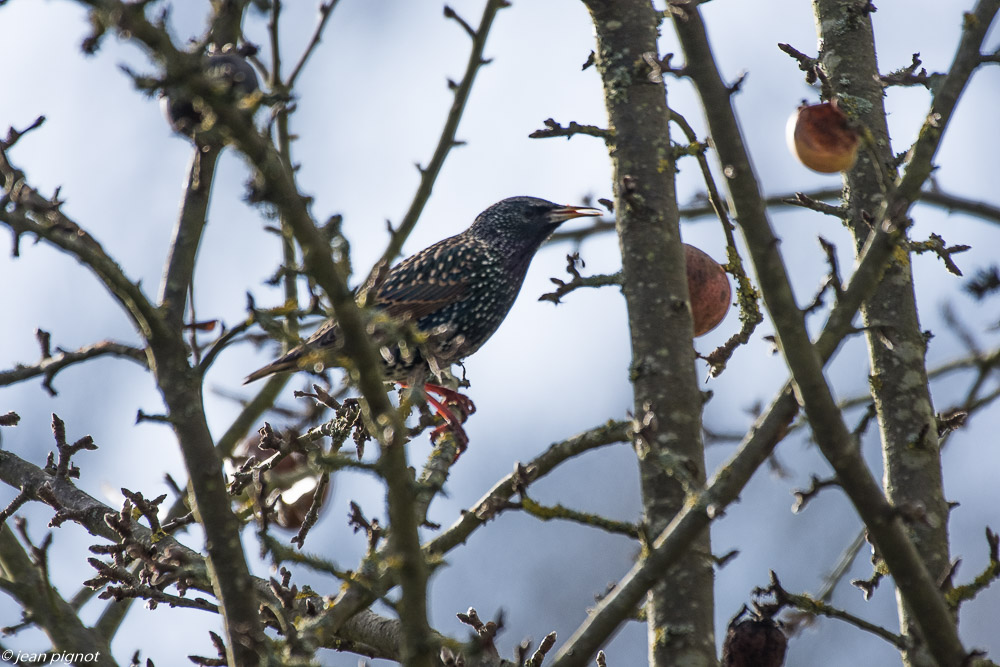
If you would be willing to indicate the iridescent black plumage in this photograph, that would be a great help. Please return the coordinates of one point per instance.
(459, 289)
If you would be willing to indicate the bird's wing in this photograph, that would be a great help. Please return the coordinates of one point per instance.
(429, 280)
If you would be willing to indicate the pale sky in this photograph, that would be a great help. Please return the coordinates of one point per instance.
(372, 103)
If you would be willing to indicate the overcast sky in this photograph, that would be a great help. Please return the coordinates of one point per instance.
(371, 104)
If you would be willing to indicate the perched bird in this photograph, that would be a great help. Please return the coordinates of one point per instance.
(458, 291)
(231, 75)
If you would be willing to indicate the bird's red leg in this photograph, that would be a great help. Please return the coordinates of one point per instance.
(450, 423)
(452, 397)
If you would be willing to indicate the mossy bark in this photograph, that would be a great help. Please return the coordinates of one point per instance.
(667, 399)
(896, 343)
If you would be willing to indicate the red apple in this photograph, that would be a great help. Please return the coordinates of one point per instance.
(708, 290)
(821, 137)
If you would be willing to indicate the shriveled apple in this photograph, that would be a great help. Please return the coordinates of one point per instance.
(822, 138)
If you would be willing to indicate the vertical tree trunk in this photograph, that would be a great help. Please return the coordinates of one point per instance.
(667, 399)
(896, 343)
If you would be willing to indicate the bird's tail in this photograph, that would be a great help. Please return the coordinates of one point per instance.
(287, 362)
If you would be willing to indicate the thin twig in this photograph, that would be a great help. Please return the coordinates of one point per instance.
(563, 288)
(812, 606)
(558, 511)
(936, 245)
(805, 201)
(747, 295)
(930, 196)
(325, 9)
(554, 129)
(429, 174)
(50, 366)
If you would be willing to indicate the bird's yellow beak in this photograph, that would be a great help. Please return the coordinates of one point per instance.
(563, 213)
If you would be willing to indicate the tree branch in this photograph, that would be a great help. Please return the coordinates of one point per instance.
(554, 129)
(982, 581)
(930, 196)
(179, 270)
(178, 382)
(815, 607)
(563, 288)
(34, 214)
(914, 582)
(559, 511)
(746, 294)
(366, 628)
(919, 159)
(356, 596)
(761, 439)
(29, 584)
(275, 183)
(908, 426)
(49, 366)
(429, 174)
(325, 10)
(486, 507)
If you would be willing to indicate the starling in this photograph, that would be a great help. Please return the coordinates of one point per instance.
(458, 291)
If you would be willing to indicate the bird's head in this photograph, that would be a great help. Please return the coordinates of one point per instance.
(520, 224)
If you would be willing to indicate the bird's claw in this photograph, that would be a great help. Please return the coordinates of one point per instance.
(451, 422)
(456, 430)
(452, 397)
